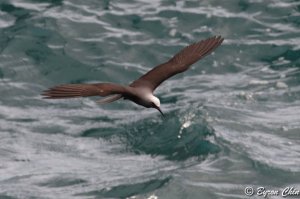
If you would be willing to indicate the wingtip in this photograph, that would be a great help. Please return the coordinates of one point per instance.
(220, 38)
(46, 95)
(59, 92)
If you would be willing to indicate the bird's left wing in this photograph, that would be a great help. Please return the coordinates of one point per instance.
(83, 90)
(178, 64)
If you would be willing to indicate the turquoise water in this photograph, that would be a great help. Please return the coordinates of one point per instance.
(232, 121)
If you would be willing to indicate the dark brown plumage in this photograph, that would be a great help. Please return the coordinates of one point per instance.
(141, 90)
(83, 90)
(178, 64)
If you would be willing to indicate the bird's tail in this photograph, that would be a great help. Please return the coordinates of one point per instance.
(110, 99)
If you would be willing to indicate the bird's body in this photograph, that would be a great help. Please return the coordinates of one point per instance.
(142, 96)
(141, 90)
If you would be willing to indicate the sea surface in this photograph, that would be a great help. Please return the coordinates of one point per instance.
(232, 121)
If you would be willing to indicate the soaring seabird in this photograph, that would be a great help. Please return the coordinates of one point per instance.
(141, 90)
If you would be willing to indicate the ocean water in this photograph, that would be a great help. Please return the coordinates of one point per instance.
(232, 121)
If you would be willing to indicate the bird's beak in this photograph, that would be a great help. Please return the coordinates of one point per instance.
(160, 111)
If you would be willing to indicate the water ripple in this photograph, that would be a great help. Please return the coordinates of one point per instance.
(231, 120)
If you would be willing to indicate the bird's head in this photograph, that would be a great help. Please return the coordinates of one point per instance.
(155, 103)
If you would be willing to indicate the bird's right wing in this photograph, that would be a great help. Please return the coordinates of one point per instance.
(83, 90)
(178, 64)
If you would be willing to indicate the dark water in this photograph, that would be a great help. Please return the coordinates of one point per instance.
(232, 120)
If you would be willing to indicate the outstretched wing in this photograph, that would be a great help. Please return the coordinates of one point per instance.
(178, 64)
(83, 90)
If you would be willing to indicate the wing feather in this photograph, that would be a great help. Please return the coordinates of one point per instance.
(83, 90)
(178, 64)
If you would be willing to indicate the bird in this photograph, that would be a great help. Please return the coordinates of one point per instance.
(141, 90)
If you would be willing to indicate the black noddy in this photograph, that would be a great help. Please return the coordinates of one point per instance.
(141, 90)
